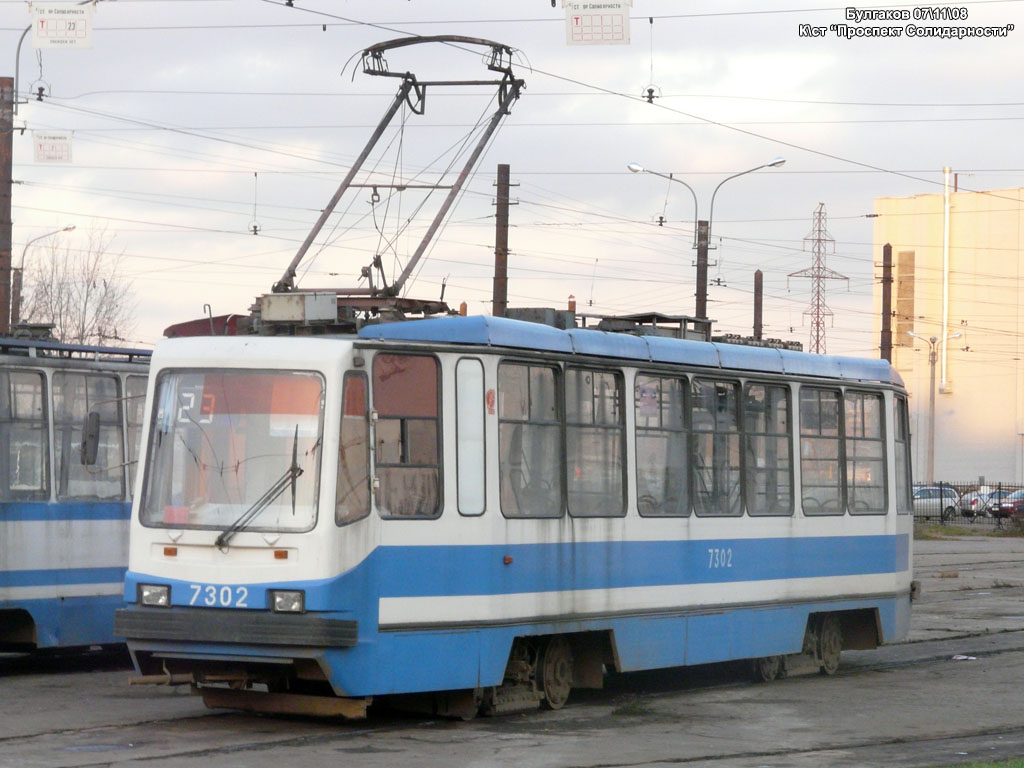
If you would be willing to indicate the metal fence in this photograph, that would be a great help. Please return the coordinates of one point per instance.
(971, 503)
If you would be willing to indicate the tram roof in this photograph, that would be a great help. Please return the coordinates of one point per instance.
(485, 330)
(78, 351)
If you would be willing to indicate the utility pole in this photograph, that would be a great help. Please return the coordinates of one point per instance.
(886, 340)
(703, 236)
(758, 302)
(500, 290)
(818, 273)
(7, 96)
(931, 410)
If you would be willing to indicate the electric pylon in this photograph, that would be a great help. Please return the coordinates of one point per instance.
(819, 273)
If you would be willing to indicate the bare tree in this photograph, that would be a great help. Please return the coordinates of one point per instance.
(81, 291)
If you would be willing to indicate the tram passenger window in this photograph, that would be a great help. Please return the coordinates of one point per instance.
(902, 443)
(716, 452)
(405, 395)
(865, 453)
(768, 453)
(74, 395)
(529, 441)
(661, 446)
(353, 498)
(469, 423)
(594, 443)
(820, 449)
(24, 455)
(135, 407)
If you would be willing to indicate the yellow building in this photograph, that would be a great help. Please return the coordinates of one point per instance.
(958, 262)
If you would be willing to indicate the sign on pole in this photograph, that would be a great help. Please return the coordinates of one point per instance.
(597, 23)
(51, 146)
(62, 25)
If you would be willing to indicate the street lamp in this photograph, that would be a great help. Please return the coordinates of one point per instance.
(933, 342)
(16, 277)
(637, 168)
(702, 229)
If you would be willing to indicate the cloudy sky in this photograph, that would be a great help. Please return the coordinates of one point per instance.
(193, 120)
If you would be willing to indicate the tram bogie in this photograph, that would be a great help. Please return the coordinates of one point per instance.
(485, 514)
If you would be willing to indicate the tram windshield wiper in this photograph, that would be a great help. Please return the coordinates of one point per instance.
(269, 496)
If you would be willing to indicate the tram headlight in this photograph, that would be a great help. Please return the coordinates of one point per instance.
(287, 600)
(155, 594)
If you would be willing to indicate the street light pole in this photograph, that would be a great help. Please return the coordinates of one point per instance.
(701, 228)
(16, 277)
(932, 356)
(637, 168)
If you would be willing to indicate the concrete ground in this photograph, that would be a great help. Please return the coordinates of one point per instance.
(913, 704)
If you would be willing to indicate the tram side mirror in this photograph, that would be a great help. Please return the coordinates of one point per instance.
(91, 438)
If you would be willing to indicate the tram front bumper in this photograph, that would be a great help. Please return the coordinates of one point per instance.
(212, 625)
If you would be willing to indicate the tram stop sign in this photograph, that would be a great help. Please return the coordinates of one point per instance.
(597, 23)
(62, 25)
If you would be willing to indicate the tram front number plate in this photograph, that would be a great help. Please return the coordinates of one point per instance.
(219, 596)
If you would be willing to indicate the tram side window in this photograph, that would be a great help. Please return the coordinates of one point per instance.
(820, 452)
(135, 408)
(902, 444)
(716, 451)
(768, 451)
(74, 395)
(594, 443)
(865, 453)
(405, 395)
(353, 499)
(469, 424)
(529, 441)
(24, 455)
(661, 446)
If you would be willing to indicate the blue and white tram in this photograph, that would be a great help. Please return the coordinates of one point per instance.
(64, 526)
(501, 511)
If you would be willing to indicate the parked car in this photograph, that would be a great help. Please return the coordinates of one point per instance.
(975, 504)
(980, 503)
(936, 501)
(1011, 506)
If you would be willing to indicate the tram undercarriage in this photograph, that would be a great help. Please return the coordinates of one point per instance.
(541, 672)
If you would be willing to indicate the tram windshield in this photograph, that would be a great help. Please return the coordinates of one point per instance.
(220, 439)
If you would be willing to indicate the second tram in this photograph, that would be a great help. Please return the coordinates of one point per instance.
(64, 525)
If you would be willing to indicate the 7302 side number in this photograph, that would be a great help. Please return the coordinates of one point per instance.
(221, 597)
(719, 557)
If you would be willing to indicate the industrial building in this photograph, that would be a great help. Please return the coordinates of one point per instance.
(958, 320)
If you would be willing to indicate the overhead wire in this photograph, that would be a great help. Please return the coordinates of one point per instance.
(872, 168)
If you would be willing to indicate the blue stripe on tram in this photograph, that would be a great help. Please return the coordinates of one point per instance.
(41, 511)
(61, 576)
(480, 570)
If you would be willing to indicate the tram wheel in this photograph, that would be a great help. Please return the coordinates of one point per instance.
(767, 668)
(830, 644)
(555, 672)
